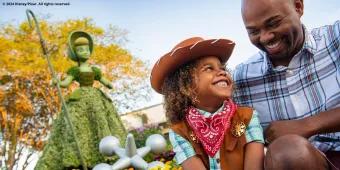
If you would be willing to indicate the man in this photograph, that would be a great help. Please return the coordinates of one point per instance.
(294, 83)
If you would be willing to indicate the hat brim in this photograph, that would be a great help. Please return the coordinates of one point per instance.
(168, 63)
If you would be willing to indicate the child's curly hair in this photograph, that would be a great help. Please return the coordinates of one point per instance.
(179, 92)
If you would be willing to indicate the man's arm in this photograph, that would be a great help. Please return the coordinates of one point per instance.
(324, 122)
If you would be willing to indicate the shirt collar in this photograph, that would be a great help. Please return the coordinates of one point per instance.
(309, 45)
(207, 114)
(310, 42)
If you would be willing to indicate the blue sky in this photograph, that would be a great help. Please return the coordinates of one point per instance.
(155, 26)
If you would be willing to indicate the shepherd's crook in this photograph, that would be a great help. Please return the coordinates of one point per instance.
(42, 42)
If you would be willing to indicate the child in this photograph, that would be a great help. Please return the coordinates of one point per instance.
(208, 131)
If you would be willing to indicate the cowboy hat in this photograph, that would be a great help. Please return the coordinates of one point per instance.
(186, 51)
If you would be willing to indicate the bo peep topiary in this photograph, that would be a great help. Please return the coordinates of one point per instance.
(90, 110)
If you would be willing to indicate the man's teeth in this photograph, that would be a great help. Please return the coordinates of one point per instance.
(222, 84)
(273, 45)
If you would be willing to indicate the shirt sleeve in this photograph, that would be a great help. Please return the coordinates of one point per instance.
(254, 131)
(181, 147)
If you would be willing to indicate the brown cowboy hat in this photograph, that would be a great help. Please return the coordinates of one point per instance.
(188, 50)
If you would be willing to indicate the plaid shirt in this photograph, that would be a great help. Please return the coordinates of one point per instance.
(184, 150)
(308, 86)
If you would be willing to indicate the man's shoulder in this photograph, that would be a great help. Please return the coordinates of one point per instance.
(334, 26)
(333, 30)
(324, 38)
(253, 67)
(255, 58)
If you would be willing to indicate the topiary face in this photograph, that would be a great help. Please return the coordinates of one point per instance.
(83, 52)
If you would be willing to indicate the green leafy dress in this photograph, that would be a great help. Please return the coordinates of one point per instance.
(93, 117)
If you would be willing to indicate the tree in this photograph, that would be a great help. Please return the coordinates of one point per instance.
(28, 101)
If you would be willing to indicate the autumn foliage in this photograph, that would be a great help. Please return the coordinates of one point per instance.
(28, 102)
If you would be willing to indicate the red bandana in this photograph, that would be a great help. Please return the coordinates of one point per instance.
(210, 131)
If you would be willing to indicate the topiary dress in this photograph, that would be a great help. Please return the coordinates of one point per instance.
(93, 117)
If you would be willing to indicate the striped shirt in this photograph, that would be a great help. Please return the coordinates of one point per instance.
(184, 150)
(309, 85)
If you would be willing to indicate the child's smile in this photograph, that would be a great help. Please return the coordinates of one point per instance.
(222, 82)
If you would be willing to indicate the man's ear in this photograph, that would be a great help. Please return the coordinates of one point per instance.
(298, 4)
